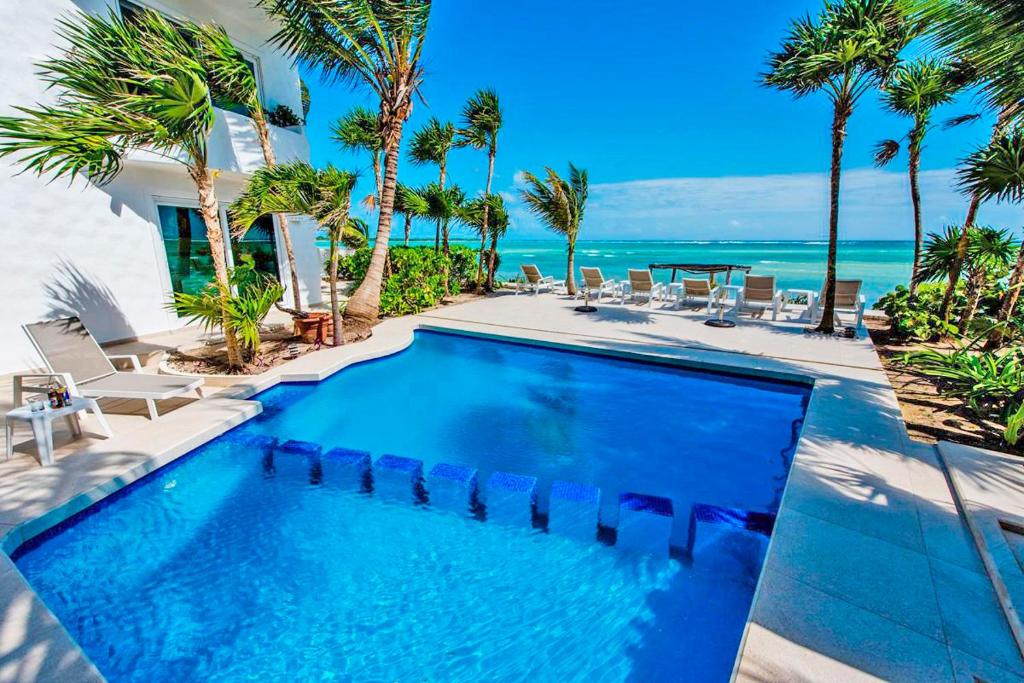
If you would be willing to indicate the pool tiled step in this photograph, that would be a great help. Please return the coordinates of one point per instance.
(348, 469)
(398, 478)
(297, 459)
(645, 524)
(574, 510)
(511, 499)
(452, 487)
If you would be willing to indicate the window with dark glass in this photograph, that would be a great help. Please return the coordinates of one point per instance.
(259, 242)
(187, 248)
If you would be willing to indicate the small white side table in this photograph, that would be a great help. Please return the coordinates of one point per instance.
(812, 301)
(42, 424)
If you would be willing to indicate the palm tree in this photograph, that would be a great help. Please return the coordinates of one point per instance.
(915, 90)
(325, 195)
(847, 50)
(377, 43)
(481, 121)
(997, 172)
(232, 76)
(444, 204)
(498, 226)
(359, 131)
(559, 204)
(989, 36)
(125, 85)
(411, 203)
(355, 234)
(430, 145)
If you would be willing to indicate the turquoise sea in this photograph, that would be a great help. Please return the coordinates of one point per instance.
(798, 264)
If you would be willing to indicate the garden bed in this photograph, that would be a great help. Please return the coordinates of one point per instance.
(928, 414)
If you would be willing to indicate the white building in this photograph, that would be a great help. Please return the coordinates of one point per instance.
(112, 254)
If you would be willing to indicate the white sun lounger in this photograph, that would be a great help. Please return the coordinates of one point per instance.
(697, 291)
(848, 300)
(759, 293)
(594, 284)
(641, 284)
(73, 357)
(535, 281)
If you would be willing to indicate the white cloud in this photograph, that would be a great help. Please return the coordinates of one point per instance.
(874, 204)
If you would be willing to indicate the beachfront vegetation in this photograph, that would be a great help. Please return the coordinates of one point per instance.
(481, 122)
(231, 76)
(411, 204)
(914, 90)
(488, 217)
(431, 145)
(239, 308)
(559, 204)
(296, 187)
(359, 131)
(377, 45)
(415, 278)
(847, 50)
(162, 104)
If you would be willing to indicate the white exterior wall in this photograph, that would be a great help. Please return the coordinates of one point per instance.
(97, 252)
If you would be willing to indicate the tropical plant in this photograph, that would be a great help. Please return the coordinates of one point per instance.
(231, 75)
(359, 131)
(847, 50)
(481, 122)
(296, 187)
(283, 117)
(915, 316)
(559, 204)
(997, 172)
(430, 145)
(248, 300)
(988, 35)
(121, 86)
(473, 216)
(914, 90)
(411, 204)
(416, 278)
(444, 204)
(377, 43)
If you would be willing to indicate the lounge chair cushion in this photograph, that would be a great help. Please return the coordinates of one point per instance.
(138, 385)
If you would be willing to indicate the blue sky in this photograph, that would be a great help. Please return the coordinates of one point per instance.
(660, 101)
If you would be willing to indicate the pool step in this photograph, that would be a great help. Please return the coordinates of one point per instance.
(574, 510)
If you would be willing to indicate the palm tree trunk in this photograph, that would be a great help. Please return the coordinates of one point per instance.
(490, 261)
(483, 229)
(332, 281)
(377, 181)
(975, 285)
(1009, 305)
(408, 227)
(915, 198)
(364, 305)
(972, 212)
(839, 119)
(570, 283)
(210, 212)
(259, 122)
(437, 230)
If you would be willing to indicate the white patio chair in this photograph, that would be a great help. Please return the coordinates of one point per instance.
(759, 294)
(848, 300)
(698, 291)
(73, 357)
(535, 282)
(594, 284)
(641, 284)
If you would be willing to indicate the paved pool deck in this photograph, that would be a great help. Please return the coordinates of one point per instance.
(871, 574)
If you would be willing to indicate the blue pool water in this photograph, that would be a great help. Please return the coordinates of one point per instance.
(214, 570)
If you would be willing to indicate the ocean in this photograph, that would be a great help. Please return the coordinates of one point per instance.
(798, 264)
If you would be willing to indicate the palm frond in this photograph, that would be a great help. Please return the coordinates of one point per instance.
(432, 142)
(996, 171)
(481, 121)
(558, 203)
(886, 151)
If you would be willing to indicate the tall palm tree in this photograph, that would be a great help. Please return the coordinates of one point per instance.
(444, 204)
(121, 86)
(324, 195)
(481, 122)
(915, 89)
(232, 76)
(411, 203)
(377, 43)
(430, 145)
(559, 204)
(989, 36)
(997, 172)
(473, 216)
(498, 226)
(847, 50)
(359, 131)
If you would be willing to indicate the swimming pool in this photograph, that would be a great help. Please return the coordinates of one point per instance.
(218, 569)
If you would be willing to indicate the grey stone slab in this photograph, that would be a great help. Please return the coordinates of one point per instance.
(872, 574)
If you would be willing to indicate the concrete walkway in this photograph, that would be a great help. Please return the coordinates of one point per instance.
(871, 573)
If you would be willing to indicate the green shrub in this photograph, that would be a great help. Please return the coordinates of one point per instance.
(414, 277)
(917, 318)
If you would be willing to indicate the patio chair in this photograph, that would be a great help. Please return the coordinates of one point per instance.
(73, 357)
(759, 293)
(641, 284)
(594, 284)
(698, 291)
(848, 300)
(535, 281)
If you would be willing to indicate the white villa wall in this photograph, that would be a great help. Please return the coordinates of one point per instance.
(97, 251)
